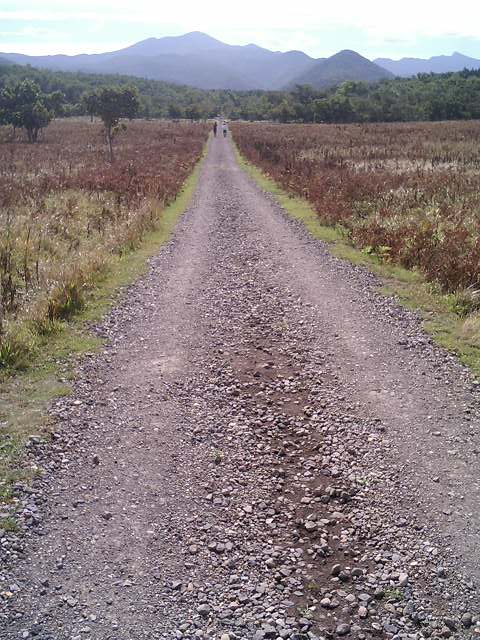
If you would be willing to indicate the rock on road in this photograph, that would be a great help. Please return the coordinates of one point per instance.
(266, 448)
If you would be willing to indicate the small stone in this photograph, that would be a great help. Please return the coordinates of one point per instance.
(203, 610)
(451, 624)
(467, 620)
(343, 629)
(390, 628)
(363, 612)
(403, 580)
(336, 570)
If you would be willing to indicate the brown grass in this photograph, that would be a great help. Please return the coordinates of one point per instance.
(65, 212)
(408, 193)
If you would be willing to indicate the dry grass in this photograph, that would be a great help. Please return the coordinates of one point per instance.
(65, 213)
(407, 193)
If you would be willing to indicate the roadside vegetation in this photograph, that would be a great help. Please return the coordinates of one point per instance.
(404, 197)
(66, 215)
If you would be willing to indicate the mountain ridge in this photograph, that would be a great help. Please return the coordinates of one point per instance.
(342, 66)
(194, 58)
(199, 60)
(406, 67)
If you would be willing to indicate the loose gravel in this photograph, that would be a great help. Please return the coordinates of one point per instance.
(266, 448)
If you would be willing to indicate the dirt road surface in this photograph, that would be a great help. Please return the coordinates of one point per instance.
(266, 448)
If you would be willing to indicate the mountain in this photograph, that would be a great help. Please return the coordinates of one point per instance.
(198, 60)
(437, 64)
(195, 59)
(344, 65)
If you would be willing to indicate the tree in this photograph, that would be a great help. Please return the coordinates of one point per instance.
(175, 111)
(56, 102)
(88, 102)
(284, 112)
(193, 112)
(111, 104)
(24, 106)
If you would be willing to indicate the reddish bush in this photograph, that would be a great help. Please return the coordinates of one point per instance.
(409, 192)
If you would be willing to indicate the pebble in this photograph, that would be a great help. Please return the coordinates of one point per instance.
(343, 629)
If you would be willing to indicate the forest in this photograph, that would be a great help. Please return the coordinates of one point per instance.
(426, 97)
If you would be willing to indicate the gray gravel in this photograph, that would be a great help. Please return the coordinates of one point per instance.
(266, 448)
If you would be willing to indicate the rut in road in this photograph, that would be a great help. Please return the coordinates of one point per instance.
(266, 448)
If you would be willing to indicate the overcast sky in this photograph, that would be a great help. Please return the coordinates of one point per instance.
(374, 28)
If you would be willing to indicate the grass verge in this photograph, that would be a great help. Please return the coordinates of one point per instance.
(460, 335)
(26, 395)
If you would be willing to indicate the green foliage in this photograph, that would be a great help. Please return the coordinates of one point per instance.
(111, 104)
(464, 302)
(24, 106)
(448, 96)
(393, 594)
(9, 525)
(13, 352)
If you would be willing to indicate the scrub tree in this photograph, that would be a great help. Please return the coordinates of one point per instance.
(112, 104)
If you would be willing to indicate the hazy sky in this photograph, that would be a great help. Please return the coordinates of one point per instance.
(371, 27)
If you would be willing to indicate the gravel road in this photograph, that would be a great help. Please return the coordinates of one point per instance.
(265, 448)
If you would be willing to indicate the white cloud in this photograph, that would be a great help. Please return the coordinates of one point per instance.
(266, 23)
(63, 47)
(377, 16)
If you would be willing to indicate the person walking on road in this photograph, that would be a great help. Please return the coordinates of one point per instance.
(215, 127)
(224, 129)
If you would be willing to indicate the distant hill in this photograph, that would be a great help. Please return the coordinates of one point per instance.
(194, 59)
(345, 65)
(438, 64)
(198, 60)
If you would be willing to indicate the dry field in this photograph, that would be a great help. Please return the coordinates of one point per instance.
(65, 214)
(408, 193)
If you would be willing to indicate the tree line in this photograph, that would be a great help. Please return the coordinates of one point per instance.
(449, 96)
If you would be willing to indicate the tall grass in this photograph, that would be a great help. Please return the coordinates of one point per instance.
(65, 214)
(408, 193)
